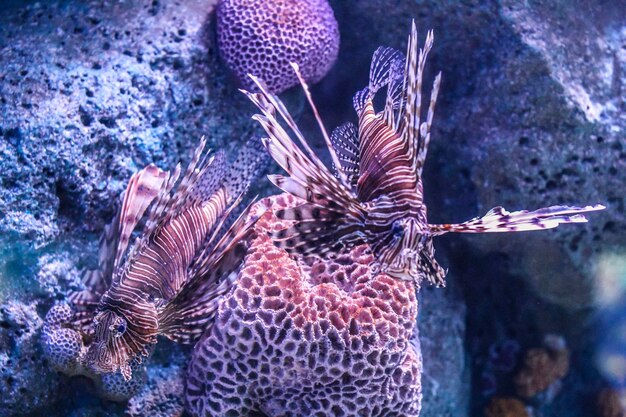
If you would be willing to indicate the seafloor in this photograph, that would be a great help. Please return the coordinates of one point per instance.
(530, 114)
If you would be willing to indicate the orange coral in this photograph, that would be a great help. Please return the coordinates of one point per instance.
(506, 407)
(612, 403)
(542, 367)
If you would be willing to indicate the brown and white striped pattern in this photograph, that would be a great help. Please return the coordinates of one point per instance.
(385, 207)
(172, 252)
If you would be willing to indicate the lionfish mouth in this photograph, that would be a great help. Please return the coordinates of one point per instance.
(404, 266)
(100, 360)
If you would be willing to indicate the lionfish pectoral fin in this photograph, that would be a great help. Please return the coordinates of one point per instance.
(317, 230)
(190, 312)
(126, 371)
(499, 220)
(143, 188)
(251, 160)
(429, 268)
(345, 140)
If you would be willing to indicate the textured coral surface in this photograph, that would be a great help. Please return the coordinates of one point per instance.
(263, 38)
(308, 337)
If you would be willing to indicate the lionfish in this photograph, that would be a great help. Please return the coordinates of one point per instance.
(170, 281)
(375, 196)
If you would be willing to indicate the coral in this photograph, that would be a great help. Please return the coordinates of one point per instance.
(65, 349)
(543, 368)
(308, 337)
(506, 407)
(612, 403)
(26, 383)
(262, 38)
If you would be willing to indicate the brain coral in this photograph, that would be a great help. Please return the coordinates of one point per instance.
(306, 337)
(262, 38)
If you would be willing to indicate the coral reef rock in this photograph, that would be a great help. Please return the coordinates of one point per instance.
(26, 382)
(263, 38)
(308, 337)
(543, 368)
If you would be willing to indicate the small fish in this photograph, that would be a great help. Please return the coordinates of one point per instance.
(170, 281)
(376, 194)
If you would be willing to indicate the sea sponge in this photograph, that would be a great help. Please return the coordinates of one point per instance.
(310, 337)
(262, 38)
(543, 367)
(506, 407)
(612, 403)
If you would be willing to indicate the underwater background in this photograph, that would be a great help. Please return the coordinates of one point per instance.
(530, 114)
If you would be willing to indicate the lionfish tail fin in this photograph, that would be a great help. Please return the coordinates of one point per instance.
(499, 220)
(190, 313)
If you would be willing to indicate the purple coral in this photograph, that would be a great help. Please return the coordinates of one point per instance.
(308, 337)
(262, 38)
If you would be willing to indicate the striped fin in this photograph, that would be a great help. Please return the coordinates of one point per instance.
(412, 131)
(251, 160)
(189, 314)
(345, 140)
(499, 220)
(307, 172)
(383, 68)
(309, 178)
(143, 187)
(317, 230)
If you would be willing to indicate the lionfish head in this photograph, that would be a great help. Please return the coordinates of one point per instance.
(410, 255)
(109, 350)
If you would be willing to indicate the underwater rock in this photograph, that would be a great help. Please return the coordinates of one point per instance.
(26, 382)
(308, 337)
(441, 328)
(109, 88)
(263, 38)
(163, 394)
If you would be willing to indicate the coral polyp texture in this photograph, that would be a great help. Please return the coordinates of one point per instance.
(308, 337)
(262, 38)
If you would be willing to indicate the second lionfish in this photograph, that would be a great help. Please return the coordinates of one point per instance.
(376, 194)
(169, 282)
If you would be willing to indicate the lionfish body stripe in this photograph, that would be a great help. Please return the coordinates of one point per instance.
(179, 247)
(376, 194)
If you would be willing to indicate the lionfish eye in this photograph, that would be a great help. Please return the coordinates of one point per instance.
(397, 230)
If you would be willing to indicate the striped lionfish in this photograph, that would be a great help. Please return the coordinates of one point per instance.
(376, 194)
(170, 281)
